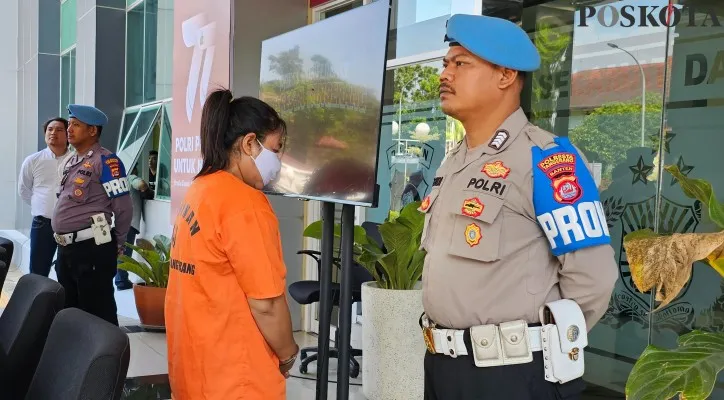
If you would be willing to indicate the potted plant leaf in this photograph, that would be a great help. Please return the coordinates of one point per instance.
(664, 263)
(153, 269)
(391, 304)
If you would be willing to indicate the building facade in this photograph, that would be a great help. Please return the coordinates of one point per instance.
(117, 55)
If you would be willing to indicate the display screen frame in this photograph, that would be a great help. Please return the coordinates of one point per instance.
(375, 7)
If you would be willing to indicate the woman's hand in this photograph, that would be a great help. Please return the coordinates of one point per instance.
(286, 365)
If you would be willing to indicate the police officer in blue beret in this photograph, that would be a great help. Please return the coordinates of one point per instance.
(519, 265)
(92, 216)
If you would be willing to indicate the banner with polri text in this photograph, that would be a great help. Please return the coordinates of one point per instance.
(201, 59)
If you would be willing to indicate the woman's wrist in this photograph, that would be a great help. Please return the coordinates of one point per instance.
(290, 357)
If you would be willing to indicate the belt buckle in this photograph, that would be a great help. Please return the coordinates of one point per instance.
(427, 327)
(61, 240)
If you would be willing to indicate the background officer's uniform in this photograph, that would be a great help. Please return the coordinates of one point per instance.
(494, 254)
(94, 184)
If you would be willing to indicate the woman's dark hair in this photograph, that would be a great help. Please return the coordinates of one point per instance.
(62, 121)
(225, 119)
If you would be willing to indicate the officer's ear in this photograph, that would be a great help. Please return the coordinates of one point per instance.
(507, 77)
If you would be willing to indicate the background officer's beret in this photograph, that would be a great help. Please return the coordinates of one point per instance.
(495, 40)
(87, 114)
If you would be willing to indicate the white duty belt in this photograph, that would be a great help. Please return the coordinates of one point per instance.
(562, 338)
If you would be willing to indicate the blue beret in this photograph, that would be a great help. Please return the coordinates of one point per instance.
(495, 40)
(87, 114)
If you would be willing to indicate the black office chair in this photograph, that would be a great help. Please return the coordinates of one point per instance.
(85, 357)
(308, 292)
(9, 247)
(24, 327)
(3, 268)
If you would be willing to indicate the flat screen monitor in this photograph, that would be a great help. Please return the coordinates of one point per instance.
(326, 81)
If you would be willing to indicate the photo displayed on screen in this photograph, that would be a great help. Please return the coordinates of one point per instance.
(326, 81)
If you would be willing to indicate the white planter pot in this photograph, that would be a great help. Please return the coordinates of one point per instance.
(393, 348)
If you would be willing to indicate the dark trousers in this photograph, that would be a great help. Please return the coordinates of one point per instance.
(121, 275)
(448, 378)
(86, 272)
(42, 246)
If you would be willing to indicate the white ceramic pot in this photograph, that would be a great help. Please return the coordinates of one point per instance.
(393, 348)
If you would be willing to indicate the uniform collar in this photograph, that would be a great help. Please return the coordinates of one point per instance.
(507, 132)
(501, 139)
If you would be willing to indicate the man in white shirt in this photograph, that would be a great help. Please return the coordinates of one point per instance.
(38, 183)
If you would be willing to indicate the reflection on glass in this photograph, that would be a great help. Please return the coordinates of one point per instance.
(67, 81)
(415, 137)
(134, 55)
(135, 138)
(163, 184)
(592, 92)
(418, 26)
(329, 92)
(693, 141)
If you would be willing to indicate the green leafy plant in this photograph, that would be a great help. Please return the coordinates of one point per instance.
(664, 263)
(399, 265)
(156, 260)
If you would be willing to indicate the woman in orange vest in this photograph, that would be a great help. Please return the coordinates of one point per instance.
(227, 320)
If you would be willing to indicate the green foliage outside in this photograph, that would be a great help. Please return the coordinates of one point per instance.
(609, 131)
(399, 267)
(156, 260)
(664, 263)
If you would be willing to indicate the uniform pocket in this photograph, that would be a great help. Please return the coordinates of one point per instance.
(477, 223)
(80, 184)
(426, 207)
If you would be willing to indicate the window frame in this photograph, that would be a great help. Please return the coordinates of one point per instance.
(160, 105)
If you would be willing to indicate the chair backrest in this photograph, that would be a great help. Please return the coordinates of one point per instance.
(8, 246)
(85, 357)
(3, 271)
(24, 327)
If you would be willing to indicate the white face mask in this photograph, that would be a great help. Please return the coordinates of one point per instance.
(268, 164)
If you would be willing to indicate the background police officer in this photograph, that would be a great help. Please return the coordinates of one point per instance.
(515, 224)
(94, 189)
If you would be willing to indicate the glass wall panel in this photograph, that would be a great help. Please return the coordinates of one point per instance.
(415, 136)
(418, 26)
(67, 81)
(135, 55)
(163, 183)
(340, 9)
(694, 143)
(163, 76)
(589, 88)
(134, 139)
(68, 24)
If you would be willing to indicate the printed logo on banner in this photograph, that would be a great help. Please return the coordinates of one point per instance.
(199, 34)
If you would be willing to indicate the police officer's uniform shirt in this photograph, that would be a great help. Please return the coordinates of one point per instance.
(489, 259)
(93, 183)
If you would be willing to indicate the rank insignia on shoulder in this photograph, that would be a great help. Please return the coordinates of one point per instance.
(473, 207)
(499, 139)
(496, 170)
(473, 235)
(425, 204)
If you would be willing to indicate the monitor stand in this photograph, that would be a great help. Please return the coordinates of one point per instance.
(345, 303)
